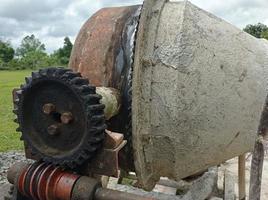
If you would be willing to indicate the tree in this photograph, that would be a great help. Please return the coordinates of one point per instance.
(265, 35)
(14, 64)
(30, 44)
(6, 52)
(31, 54)
(34, 60)
(258, 30)
(63, 54)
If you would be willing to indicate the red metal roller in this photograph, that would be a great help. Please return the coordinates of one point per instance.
(46, 182)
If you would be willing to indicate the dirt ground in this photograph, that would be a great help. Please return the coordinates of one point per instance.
(232, 166)
(3, 191)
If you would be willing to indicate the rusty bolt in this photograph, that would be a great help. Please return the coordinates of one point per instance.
(66, 117)
(53, 130)
(48, 108)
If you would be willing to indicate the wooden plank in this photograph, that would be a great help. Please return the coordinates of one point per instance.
(229, 186)
(242, 177)
(256, 171)
(258, 156)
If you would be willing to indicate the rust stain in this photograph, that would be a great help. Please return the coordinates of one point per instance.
(98, 45)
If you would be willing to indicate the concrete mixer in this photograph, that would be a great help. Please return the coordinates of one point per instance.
(165, 89)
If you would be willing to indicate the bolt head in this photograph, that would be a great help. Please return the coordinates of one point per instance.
(53, 130)
(48, 108)
(66, 117)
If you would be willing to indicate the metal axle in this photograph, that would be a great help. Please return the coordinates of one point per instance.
(111, 100)
(42, 181)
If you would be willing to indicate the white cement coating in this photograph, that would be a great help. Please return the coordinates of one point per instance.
(199, 87)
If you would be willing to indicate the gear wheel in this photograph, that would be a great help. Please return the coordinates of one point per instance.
(60, 116)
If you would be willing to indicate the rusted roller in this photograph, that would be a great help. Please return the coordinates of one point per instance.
(42, 181)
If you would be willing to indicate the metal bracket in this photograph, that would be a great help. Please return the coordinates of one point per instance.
(106, 162)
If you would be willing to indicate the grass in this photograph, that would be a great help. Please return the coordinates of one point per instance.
(9, 138)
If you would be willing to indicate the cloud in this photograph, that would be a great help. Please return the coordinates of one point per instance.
(52, 20)
(237, 12)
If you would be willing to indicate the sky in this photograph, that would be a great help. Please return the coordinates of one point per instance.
(52, 20)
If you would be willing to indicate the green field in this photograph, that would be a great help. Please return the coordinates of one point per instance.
(9, 138)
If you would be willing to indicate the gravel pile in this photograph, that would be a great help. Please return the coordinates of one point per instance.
(6, 160)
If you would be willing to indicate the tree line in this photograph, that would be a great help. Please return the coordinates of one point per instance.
(257, 30)
(31, 54)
